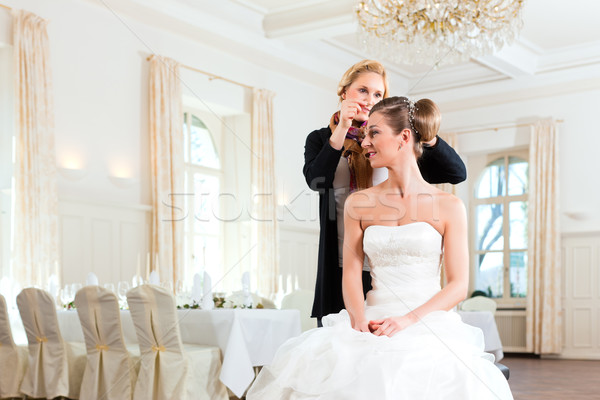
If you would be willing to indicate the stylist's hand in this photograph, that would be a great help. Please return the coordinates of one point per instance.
(349, 110)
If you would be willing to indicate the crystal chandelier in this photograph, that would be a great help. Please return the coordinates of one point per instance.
(437, 32)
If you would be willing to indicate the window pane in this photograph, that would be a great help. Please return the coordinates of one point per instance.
(189, 261)
(518, 224)
(518, 176)
(489, 227)
(490, 276)
(491, 181)
(186, 139)
(518, 274)
(206, 256)
(203, 150)
(206, 205)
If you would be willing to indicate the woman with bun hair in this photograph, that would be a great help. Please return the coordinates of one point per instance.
(335, 166)
(406, 342)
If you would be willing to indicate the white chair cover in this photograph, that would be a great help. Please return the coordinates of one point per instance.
(301, 300)
(168, 369)
(13, 358)
(55, 368)
(110, 372)
(479, 303)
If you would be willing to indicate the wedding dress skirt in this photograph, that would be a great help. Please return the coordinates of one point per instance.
(438, 357)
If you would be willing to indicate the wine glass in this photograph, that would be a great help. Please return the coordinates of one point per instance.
(75, 287)
(122, 289)
(67, 295)
(182, 293)
(167, 285)
(109, 286)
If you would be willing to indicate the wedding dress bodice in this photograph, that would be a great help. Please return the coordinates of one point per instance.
(405, 264)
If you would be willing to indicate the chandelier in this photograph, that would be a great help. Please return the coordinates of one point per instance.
(436, 32)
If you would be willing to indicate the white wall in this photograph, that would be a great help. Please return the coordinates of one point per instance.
(578, 145)
(579, 140)
(100, 77)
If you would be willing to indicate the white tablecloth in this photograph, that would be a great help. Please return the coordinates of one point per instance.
(485, 321)
(247, 338)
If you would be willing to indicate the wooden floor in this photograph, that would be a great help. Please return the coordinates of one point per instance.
(547, 379)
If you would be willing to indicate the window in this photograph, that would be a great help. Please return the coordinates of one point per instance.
(203, 181)
(499, 232)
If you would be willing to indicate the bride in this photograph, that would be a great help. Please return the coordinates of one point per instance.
(406, 342)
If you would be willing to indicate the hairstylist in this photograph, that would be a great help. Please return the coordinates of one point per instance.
(335, 166)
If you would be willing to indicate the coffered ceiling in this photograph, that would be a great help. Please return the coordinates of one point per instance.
(315, 40)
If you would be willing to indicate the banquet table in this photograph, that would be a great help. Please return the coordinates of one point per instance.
(485, 321)
(246, 337)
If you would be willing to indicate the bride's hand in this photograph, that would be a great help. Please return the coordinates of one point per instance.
(361, 326)
(390, 326)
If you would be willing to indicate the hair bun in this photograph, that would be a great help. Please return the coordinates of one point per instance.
(427, 118)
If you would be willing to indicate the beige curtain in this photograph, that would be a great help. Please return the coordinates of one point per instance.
(166, 147)
(452, 140)
(544, 319)
(36, 197)
(266, 262)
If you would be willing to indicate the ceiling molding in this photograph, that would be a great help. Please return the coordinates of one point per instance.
(225, 36)
(314, 41)
(316, 20)
(512, 61)
(521, 94)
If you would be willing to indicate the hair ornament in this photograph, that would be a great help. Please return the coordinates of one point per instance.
(412, 107)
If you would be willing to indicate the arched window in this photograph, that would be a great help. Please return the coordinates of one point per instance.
(203, 180)
(499, 215)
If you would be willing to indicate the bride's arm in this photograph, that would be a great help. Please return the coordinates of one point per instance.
(353, 257)
(456, 263)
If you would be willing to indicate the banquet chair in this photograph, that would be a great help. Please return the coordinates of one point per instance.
(55, 367)
(482, 303)
(110, 372)
(13, 358)
(301, 300)
(479, 303)
(170, 369)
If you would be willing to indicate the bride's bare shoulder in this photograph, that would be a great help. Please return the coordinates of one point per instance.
(451, 207)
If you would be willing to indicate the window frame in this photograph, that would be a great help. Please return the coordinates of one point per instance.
(214, 127)
(482, 162)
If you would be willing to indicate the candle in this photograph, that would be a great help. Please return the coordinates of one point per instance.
(139, 261)
(147, 266)
(56, 272)
(156, 266)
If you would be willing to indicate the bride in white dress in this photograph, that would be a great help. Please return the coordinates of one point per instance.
(406, 342)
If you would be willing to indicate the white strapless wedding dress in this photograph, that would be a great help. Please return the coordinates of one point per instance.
(439, 357)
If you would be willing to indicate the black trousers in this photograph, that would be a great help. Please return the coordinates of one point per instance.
(366, 282)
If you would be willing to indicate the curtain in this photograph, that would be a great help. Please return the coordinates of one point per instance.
(166, 147)
(544, 319)
(264, 218)
(36, 197)
(452, 140)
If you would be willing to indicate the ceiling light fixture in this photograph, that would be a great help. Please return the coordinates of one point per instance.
(437, 32)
